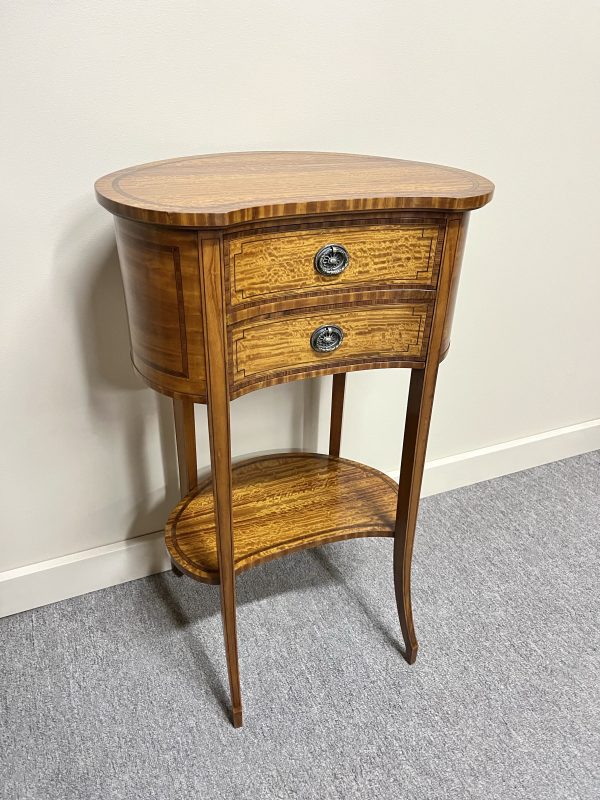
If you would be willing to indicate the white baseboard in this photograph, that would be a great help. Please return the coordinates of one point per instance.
(464, 469)
(87, 571)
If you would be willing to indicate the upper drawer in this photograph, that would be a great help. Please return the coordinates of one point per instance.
(263, 266)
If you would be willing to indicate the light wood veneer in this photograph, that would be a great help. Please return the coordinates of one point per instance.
(269, 265)
(278, 346)
(224, 189)
(282, 503)
(218, 262)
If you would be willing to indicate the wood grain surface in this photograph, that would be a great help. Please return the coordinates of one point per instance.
(162, 292)
(219, 436)
(229, 307)
(338, 390)
(280, 345)
(282, 503)
(227, 188)
(455, 269)
(185, 436)
(266, 265)
(416, 431)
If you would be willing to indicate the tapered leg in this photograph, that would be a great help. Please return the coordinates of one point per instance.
(416, 430)
(337, 413)
(220, 452)
(220, 448)
(185, 435)
(406, 514)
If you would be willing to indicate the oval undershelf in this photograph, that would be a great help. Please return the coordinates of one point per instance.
(282, 503)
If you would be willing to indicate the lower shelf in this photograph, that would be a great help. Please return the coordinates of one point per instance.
(282, 503)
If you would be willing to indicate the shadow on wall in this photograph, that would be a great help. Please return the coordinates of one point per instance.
(126, 411)
(119, 401)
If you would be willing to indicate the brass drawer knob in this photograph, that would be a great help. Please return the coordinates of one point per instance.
(327, 338)
(331, 259)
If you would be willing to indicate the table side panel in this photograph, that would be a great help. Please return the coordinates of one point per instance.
(161, 282)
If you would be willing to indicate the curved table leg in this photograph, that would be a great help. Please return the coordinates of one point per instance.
(416, 430)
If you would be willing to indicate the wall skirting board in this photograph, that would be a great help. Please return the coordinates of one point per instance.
(50, 581)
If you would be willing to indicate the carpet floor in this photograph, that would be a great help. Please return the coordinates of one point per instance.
(122, 693)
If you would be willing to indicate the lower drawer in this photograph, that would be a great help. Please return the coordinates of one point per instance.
(316, 341)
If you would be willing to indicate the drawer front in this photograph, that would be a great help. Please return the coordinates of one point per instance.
(271, 350)
(263, 266)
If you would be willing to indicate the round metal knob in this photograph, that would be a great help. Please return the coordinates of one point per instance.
(327, 338)
(331, 259)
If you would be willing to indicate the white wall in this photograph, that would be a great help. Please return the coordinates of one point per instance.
(504, 88)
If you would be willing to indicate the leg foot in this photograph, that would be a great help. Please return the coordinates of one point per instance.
(236, 717)
(403, 600)
(229, 630)
(410, 654)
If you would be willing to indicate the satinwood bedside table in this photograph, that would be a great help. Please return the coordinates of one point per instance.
(244, 270)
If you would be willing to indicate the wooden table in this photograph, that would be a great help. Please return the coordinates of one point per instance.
(245, 270)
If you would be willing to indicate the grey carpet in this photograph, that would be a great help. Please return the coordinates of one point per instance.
(121, 693)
